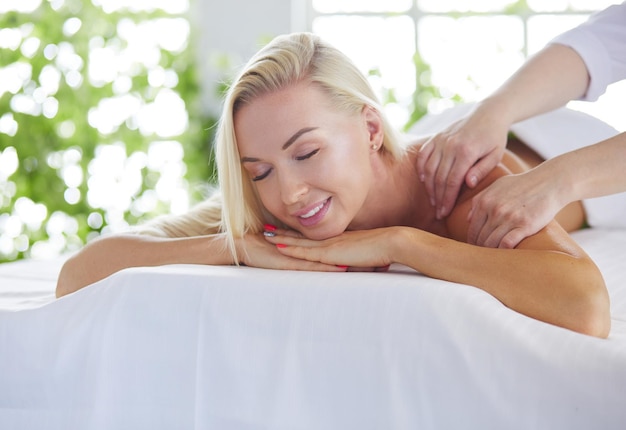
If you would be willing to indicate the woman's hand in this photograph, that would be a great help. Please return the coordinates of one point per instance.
(255, 251)
(465, 152)
(364, 249)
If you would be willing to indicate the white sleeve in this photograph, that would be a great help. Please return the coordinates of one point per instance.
(601, 42)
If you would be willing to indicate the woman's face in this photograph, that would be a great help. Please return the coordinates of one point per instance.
(310, 163)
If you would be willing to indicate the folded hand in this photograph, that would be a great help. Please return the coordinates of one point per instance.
(357, 250)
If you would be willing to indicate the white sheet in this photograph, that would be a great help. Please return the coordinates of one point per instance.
(28, 284)
(199, 347)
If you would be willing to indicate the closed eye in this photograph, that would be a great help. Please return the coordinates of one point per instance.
(262, 175)
(306, 156)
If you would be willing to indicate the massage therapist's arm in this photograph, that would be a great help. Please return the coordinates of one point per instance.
(466, 151)
(592, 171)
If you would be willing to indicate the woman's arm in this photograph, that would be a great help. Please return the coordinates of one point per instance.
(110, 254)
(547, 276)
(555, 284)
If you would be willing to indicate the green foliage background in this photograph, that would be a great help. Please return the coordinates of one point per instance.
(39, 137)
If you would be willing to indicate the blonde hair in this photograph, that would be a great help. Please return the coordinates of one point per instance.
(285, 61)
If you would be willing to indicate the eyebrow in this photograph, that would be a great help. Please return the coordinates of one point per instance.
(286, 145)
(297, 135)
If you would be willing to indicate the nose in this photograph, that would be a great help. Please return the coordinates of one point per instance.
(292, 188)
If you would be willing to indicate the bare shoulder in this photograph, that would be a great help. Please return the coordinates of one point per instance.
(457, 222)
(553, 236)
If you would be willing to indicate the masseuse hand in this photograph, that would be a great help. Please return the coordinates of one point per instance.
(364, 249)
(466, 151)
(513, 208)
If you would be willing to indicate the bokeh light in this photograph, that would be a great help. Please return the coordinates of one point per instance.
(118, 178)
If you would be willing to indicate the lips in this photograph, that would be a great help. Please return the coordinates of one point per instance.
(313, 211)
(315, 214)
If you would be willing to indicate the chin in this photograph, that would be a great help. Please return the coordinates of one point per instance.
(321, 234)
(322, 231)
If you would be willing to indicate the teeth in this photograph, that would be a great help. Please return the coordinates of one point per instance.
(312, 212)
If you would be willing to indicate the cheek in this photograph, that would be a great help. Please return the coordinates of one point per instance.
(350, 165)
(270, 198)
(266, 194)
(347, 165)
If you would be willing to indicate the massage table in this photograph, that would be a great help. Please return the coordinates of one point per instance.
(196, 347)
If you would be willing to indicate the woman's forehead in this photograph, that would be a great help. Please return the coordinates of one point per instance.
(283, 113)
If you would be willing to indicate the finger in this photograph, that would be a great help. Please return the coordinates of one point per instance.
(493, 239)
(313, 266)
(489, 224)
(441, 180)
(429, 172)
(320, 256)
(481, 169)
(291, 262)
(291, 240)
(289, 233)
(485, 232)
(512, 238)
(470, 214)
(452, 186)
(477, 220)
(422, 157)
(270, 230)
(269, 235)
(302, 253)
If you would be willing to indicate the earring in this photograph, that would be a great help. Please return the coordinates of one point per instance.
(374, 147)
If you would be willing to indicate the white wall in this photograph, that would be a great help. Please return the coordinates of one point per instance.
(236, 28)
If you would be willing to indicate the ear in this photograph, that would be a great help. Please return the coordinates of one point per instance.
(375, 129)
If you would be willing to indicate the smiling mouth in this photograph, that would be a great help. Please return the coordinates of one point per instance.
(314, 210)
(315, 215)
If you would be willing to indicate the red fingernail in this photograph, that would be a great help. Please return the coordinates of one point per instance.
(281, 245)
(269, 227)
(342, 266)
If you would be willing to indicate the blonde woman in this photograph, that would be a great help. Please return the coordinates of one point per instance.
(312, 177)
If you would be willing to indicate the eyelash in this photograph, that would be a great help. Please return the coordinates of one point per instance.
(262, 176)
(301, 158)
(307, 156)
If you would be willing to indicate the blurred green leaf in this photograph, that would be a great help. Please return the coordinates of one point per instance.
(42, 142)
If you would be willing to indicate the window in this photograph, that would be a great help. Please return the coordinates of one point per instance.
(431, 54)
